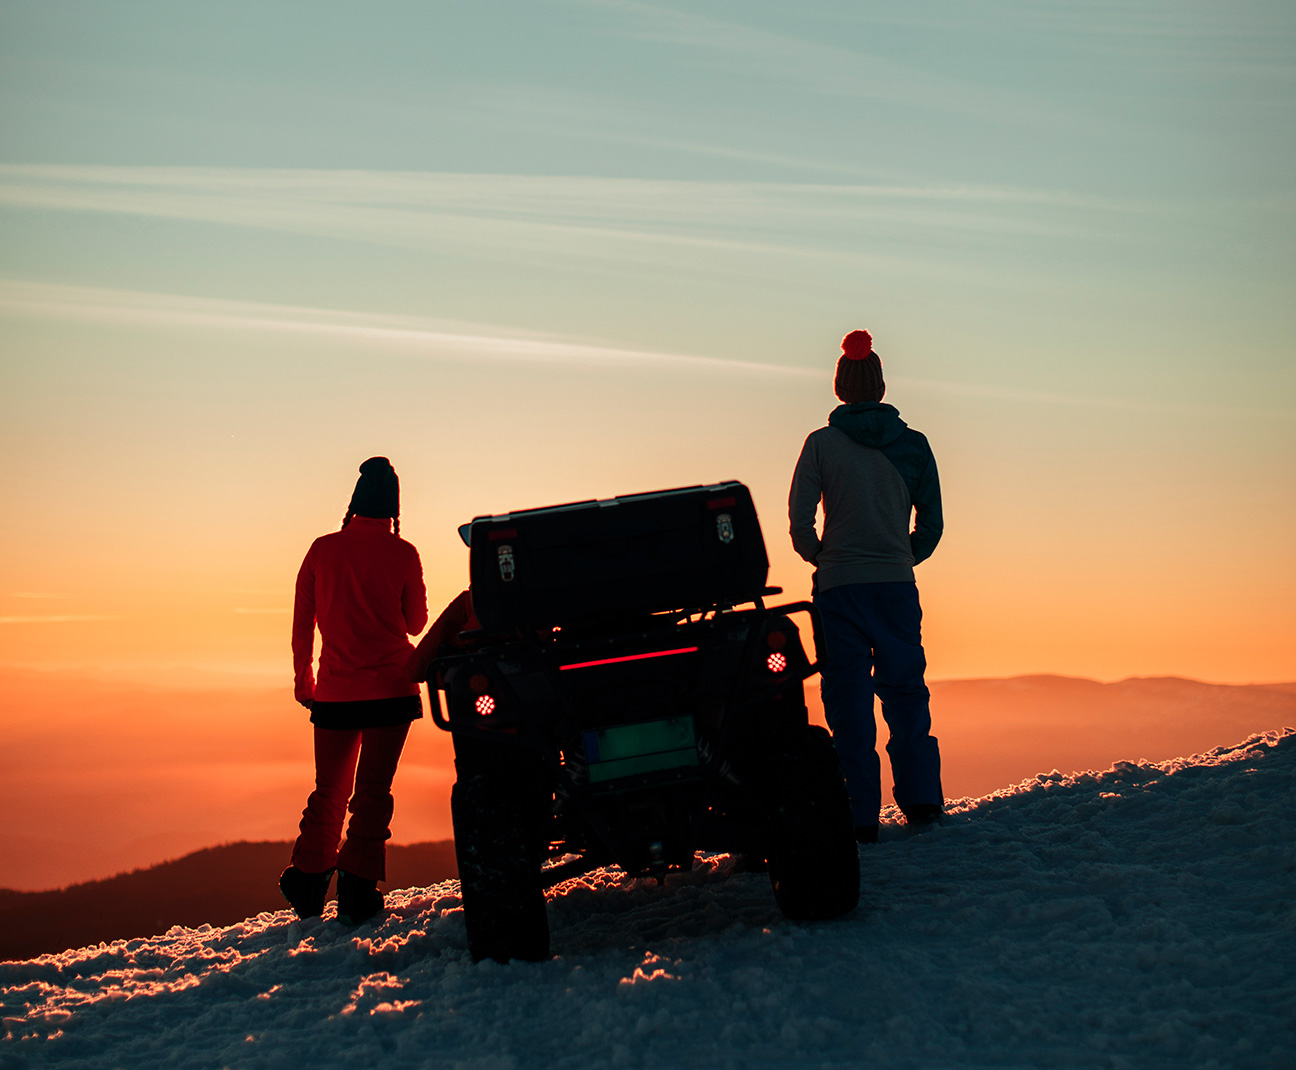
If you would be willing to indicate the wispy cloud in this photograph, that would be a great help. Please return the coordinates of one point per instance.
(1051, 398)
(433, 339)
(410, 335)
(831, 68)
(552, 217)
(1212, 38)
(598, 119)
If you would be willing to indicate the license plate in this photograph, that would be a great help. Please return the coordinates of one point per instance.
(648, 747)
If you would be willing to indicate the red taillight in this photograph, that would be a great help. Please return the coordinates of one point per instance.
(776, 640)
(485, 705)
(776, 662)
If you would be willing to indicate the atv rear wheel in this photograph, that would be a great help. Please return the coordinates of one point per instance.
(497, 826)
(813, 859)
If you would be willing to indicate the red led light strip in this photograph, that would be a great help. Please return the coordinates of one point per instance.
(630, 657)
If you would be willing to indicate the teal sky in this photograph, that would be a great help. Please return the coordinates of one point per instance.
(543, 250)
(1124, 99)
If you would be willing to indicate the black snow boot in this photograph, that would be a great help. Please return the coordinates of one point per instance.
(358, 899)
(304, 891)
(923, 816)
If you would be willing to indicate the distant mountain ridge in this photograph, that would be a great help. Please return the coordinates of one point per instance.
(85, 765)
(993, 733)
(996, 732)
(215, 886)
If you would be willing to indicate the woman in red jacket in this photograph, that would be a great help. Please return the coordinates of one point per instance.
(363, 587)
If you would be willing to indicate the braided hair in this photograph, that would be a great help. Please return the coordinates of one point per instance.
(351, 512)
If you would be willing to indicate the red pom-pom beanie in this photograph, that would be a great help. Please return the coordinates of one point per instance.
(859, 371)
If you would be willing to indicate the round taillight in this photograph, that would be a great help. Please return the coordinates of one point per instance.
(776, 662)
(776, 640)
(485, 705)
(479, 683)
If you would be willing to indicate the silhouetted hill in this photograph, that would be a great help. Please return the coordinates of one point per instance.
(216, 886)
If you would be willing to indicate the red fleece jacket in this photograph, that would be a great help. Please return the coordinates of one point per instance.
(363, 586)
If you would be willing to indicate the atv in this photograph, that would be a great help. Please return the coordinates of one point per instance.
(629, 701)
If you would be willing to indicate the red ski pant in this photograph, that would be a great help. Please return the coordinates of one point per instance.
(355, 764)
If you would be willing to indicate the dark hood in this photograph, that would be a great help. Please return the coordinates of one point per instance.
(870, 423)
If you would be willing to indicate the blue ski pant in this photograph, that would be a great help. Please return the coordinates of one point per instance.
(873, 638)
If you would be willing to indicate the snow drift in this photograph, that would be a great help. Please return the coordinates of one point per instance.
(1140, 917)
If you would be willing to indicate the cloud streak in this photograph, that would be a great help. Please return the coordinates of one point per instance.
(427, 338)
(556, 216)
(410, 335)
(830, 68)
(995, 392)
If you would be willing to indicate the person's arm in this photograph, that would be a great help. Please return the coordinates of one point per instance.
(414, 598)
(449, 624)
(303, 635)
(803, 500)
(929, 519)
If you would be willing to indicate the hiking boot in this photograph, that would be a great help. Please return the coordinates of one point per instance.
(866, 834)
(923, 816)
(304, 891)
(358, 898)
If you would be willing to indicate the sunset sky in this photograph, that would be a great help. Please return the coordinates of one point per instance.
(545, 251)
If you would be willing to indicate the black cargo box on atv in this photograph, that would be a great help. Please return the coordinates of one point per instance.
(691, 547)
(629, 701)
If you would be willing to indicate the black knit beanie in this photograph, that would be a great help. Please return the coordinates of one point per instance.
(859, 371)
(377, 491)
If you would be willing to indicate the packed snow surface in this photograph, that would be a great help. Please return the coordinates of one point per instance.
(1141, 917)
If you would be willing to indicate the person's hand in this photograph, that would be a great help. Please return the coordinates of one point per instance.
(417, 665)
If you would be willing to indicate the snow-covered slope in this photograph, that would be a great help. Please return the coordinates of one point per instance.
(1142, 917)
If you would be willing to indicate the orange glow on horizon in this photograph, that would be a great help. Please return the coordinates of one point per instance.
(88, 760)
